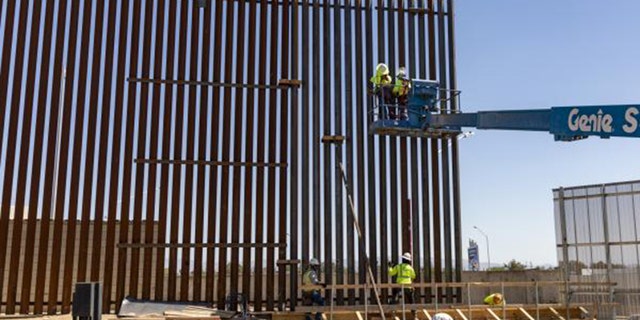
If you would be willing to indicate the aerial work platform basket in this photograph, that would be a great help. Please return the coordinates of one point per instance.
(394, 119)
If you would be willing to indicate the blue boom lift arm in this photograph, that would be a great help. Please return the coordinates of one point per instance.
(420, 118)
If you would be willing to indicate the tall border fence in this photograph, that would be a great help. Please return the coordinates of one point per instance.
(143, 141)
(598, 241)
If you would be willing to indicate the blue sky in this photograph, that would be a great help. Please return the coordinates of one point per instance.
(517, 54)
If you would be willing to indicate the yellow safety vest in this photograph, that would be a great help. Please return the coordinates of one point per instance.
(404, 273)
(309, 278)
(489, 300)
(401, 87)
(380, 79)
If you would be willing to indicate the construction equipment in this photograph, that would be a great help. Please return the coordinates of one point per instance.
(567, 123)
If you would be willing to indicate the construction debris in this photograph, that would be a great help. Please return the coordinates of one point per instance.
(148, 309)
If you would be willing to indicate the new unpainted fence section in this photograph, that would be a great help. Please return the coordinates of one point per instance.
(597, 237)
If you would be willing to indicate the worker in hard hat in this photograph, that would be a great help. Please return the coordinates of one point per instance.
(442, 316)
(311, 284)
(382, 87)
(494, 299)
(404, 274)
(401, 93)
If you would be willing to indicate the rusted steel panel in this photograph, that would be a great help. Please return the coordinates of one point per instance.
(61, 175)
(248, 151)
(43, 252)
(168, 114)
(363, 133)
(404, 158)
(348, 132)
(257, 290)
(359, 139)
(70, 247)
(90, 144)
(191, 110)
(413, 143)
(23, 160)
(455, 163)
(237, 150)
(11, 153)
(329, 54)
(446, 192)
(130, 107)
(304, 135)
(435, 191)
(115, 163)
(153, 170)
(284, 145)
(406, 226)
(141, 125)
(293, 244)
(177, 171)
(204, 109)
(4, 75)
(315, 137)
(213, 179)
(382, 158)
(187, 224)
(96, 261)
(427, 206)
(327, 148)
(392, 149)
(271, 181)
(226, 132)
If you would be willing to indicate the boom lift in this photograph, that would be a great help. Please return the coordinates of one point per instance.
(568, 123)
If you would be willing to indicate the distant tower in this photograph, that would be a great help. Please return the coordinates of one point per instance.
(473, 256)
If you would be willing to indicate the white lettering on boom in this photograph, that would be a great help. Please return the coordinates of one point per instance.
(599, 122)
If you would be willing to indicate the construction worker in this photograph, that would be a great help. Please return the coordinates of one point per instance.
(494, 299)
(381, 81)
(404, 274)
(311, 285)
(442, 316)
(401, 92)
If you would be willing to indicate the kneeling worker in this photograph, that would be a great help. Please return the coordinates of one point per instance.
(311, 285)
(494, 299)
(404, 274)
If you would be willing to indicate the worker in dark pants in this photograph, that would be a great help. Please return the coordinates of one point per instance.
(401, 93)
(383, 89)
(311, 287)
(405, 274)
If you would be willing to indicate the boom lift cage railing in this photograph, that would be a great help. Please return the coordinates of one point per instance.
(380, 110)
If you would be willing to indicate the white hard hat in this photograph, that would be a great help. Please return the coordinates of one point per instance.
(314, 262)
(382, 69)
(441, 316)
(401, 73)
(407, 256)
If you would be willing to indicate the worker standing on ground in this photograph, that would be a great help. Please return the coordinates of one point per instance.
(404, 274)
(494, 299)
(401, 92)
(382, 88)
(311, 285)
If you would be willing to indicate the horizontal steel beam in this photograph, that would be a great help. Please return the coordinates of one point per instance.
(207, 163)
(202, 245)
(283, 83)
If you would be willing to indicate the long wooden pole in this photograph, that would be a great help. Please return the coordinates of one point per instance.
(356, 225)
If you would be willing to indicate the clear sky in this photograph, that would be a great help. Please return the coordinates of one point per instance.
(522, 54)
